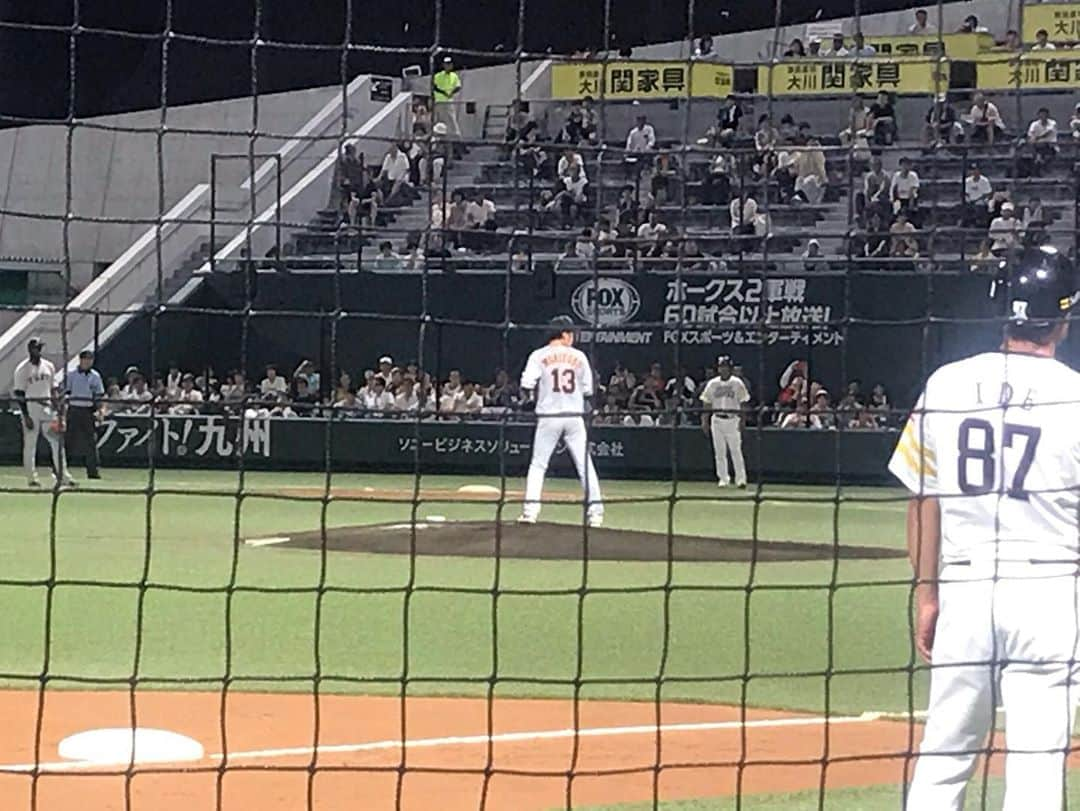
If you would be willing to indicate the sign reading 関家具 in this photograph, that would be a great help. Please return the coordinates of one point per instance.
(1047, 70)
(640, 80)
(1061, 21)
(805, 77)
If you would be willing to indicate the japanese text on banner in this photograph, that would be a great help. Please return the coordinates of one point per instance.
(640, 80)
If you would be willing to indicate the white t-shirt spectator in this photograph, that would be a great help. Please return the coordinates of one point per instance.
(448, 401)
(977, 189)
(565, 164)
(275, 386)
(1040, 133)
(1046, 46)
(641, 139)
(748, 210)
(576, 188)
(135, 401)
(479, 214)
(407, 403)
(650, 232)
(377, 401)
(472, 404)
(904, 187)
(396, 167)
(991, 114)
(187, 402)
(1004, 233)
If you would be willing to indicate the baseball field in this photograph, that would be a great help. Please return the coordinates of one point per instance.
(465, 661)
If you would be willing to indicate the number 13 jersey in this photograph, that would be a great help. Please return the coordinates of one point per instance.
(997, 438)
(562, 378)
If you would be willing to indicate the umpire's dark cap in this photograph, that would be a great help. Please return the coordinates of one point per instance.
(86, 353)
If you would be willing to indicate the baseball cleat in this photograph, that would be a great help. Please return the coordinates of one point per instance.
(33, 482)
(526, 519)
(596, 521)
(721, 484)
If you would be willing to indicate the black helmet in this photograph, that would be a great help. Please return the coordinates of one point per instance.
(1039, 289)
(560, 324)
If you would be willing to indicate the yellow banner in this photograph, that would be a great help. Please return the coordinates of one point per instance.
(804, 77)
(1044, 71)
(1061, 21)
(955, 46)
(640, 80)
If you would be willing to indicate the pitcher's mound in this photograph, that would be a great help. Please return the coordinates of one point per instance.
(565, 542)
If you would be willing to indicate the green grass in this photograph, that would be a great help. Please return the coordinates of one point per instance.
(166, 571)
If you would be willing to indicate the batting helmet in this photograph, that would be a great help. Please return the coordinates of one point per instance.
(559, 325)
(1038, 290)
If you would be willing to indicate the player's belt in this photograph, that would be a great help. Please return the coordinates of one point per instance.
(1033, 561)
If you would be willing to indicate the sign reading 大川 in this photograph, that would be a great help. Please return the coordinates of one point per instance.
(725, 311)
(1046, 70)
(1061, 21)
(640, 80)
(209, 437)
(842, 76)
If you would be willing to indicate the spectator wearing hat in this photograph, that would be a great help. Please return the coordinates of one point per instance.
(188, 399)
(445, 91)
(84, 389)
(1005, 230)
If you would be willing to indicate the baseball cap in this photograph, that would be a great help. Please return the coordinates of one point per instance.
(386, 359)
(1008, 207)
(723, 360)
(35, 342)
(439, 128)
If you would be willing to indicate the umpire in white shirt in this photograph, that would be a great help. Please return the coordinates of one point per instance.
(84, 390)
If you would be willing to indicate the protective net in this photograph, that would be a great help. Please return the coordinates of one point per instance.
(302, 580)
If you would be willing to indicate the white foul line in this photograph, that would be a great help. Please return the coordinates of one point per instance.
(465, 740)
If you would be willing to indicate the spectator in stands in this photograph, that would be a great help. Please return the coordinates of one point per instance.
(796, 50)
(236, 390)
(573, 130)
(642, 137)
(883, 119)
(569, 158)
(569, 261)
(585, 246)
(188, 399)
(813, 48)
(1012, 41)
(519, 124)
(572, 197)
(349, 172)
(501, 394)
(406, 401)
(859, 129)
(746, 220)
(1042, 137)
(717, 186)
(812, 180)
(446, 93)
(651, 235)
(386, 369)
(348, 407)
(904, 189)
(800, 417)
(135, 397)
(860, 49)
(985, 120)
(377, 401)
(879, 404)
(903, 239)
(785, 174)
(971, 26)
(874, 242)
(386, 259)
(850, 404)
(366, 199)
(875, 195)
(273, 382)
(921, 27)
(765, 138)
(394, 177)
(172, 379)
(605, 238)
(942, 122)
(471, 402)
(412, 255)
(983, 259)
(621, 383)
(309, 370)
(1042, 41)
(645, 397)
(821, 412)
(728, 116)
(663, 181)
(1036, 218)
(421, 116)
(1004, 231)
(704, 49)
(1074, 123)
(304, 400)
(836, 48)
(813, 259)
(480, 214)
(978, 192)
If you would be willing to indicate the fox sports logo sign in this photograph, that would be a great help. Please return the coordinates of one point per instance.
(605, 302)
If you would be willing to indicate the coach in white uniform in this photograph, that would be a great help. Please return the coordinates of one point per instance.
(35, 393)
(992, 457)
(724, 397)
(560, 378)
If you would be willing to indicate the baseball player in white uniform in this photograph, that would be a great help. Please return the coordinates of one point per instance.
(724, 397)
(36, 395)
(991, 455)
(560, 378)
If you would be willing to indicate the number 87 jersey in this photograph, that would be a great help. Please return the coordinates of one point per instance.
(997, 438)
(562, 378)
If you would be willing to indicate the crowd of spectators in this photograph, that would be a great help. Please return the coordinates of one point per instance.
(653, 397)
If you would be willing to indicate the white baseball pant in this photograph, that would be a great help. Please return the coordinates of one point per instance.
(42, 415)
(1019, 633)
(549, 430)
(727, 438)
